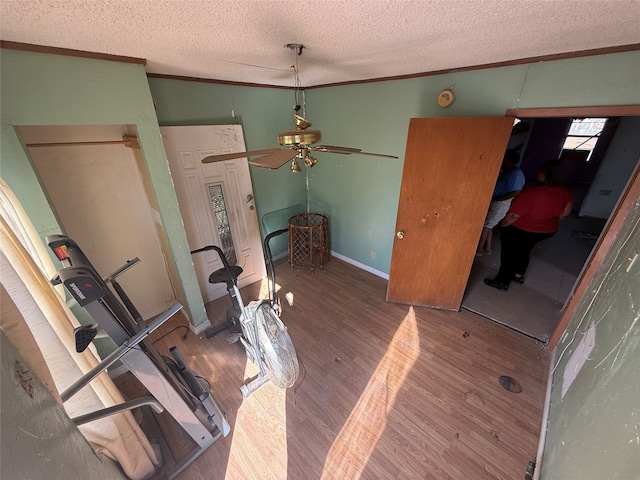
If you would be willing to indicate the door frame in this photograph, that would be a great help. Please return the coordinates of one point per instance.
(616, 219)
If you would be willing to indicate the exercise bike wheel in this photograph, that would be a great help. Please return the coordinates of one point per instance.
(278, 353)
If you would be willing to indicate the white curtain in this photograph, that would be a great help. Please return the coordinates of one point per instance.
(25, 271)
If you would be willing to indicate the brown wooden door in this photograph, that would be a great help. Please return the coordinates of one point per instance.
(450, 170)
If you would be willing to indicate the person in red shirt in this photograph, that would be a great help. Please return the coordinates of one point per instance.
(532, 217)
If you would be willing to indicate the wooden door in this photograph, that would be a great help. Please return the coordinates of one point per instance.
(216, 201)
(98, 194)
(450, 170)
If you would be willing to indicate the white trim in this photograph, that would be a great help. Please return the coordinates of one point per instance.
(116, 372)
(545, 418)
(200, 328)
(281, 255)
(158, 311)
(361, 265)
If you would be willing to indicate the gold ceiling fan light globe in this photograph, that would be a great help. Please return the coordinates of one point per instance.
(310, 161)
(295, 166)
(299, 137)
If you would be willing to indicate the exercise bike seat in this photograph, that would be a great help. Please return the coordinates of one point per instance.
(223, 275)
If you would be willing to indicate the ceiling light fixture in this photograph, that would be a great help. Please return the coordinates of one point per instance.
(295, 166)
(298, 143)
(310, 161)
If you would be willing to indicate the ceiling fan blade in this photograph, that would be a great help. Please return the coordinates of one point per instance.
(334, 149)
(231, 156)
(377, 154)
(346, 151)
(276, 159)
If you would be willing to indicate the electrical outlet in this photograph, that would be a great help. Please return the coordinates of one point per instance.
(373, 254)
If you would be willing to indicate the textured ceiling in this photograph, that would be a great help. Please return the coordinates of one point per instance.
(243, 40)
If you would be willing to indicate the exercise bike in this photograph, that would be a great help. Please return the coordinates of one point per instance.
(257, 325)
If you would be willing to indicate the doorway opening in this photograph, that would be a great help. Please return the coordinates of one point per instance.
(98, 188)
(599, 163)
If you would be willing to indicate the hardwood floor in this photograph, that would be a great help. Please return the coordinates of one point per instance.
(385, 390)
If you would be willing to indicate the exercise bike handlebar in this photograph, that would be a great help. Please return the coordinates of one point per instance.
(268, 238)
(267, 252)
(218, 250)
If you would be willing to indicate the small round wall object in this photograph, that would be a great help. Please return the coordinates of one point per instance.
(446, 97)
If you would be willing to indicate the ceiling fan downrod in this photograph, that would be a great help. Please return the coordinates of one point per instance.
(295, 46)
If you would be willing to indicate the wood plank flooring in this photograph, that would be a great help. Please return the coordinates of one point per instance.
(385, 390)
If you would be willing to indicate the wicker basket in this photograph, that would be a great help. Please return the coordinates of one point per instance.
(308, 241)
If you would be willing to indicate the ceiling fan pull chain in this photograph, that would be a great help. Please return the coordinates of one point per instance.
(304, 104)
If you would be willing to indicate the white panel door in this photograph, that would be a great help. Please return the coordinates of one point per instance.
(229, 183)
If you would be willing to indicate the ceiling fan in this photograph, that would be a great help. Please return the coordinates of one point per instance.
(299, 142)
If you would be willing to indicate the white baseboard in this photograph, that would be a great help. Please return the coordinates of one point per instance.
(159, 311)
(116, 372)
(196, 330)
(360, 265)
(200, 328)
(280, 255)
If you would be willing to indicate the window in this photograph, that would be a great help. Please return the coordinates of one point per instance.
(221, 219)
(584, 134)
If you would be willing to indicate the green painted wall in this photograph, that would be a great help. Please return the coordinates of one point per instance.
(262, 112)
(360, 193)
(40, 89)
(594, 415)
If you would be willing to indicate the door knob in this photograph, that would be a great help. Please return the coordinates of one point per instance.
(400, 235)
